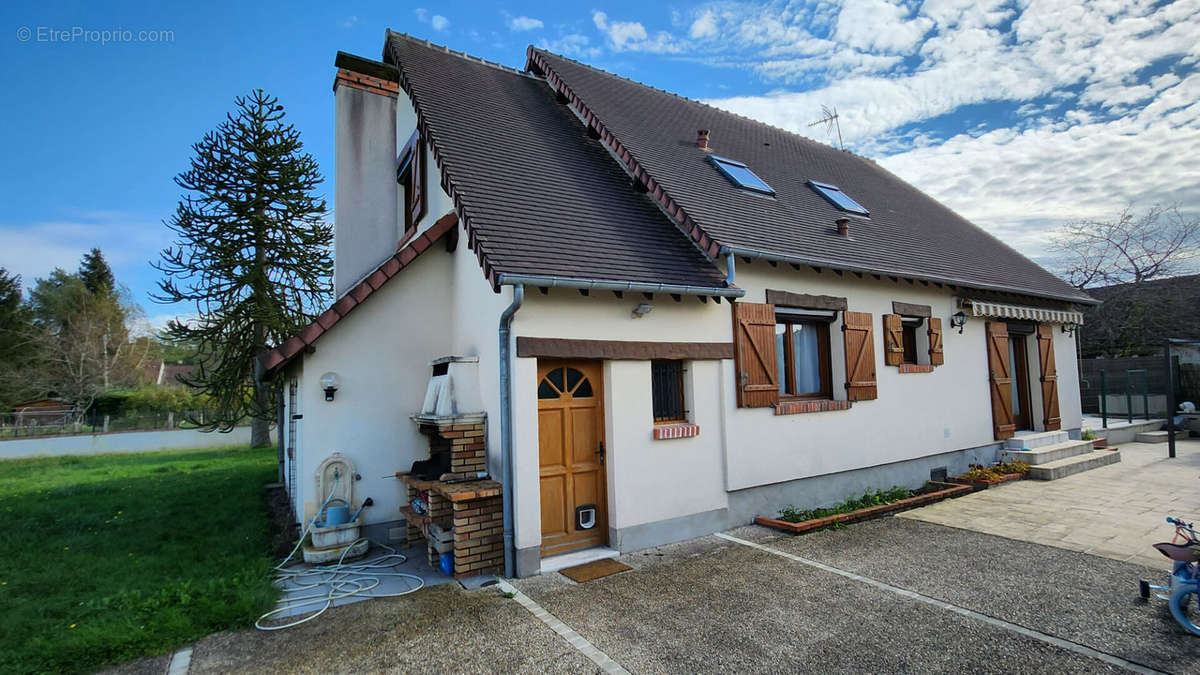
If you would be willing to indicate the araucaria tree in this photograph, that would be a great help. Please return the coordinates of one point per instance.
(252, 255)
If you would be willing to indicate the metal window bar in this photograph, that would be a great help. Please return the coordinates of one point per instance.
(666, 378)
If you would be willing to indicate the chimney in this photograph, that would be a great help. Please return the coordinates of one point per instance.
(843, 226)
(365, 95)
(702, 140)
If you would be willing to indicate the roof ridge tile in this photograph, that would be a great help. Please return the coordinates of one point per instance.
(689, 99)
(462, 55)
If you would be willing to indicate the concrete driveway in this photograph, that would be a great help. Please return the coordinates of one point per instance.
(892, 595)
(1117, 511)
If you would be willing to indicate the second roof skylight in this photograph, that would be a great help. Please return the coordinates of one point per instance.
(741, 175)
(840, 199)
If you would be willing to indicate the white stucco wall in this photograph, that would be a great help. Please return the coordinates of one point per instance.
(381, 354)
(651, 480)
(915, 415)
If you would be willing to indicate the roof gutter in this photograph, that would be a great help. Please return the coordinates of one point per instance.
(802, 260)
(598, 285)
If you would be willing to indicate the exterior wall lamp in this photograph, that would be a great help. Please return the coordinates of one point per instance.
(958, 321)
(642, 310)
(1069, 328)
(329, 382)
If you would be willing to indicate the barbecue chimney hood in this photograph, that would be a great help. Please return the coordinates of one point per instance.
(453, 390)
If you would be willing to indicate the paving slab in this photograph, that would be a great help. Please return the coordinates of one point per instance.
(1117, 511)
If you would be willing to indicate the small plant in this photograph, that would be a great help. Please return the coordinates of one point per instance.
(791, 514)
(509, 594)
(980, 472)
(1088, 435)
(1004, 468)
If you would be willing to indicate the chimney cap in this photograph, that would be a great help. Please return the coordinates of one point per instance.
(702, 139)
(843, 226)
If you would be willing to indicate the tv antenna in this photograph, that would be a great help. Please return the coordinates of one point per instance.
(830, 120)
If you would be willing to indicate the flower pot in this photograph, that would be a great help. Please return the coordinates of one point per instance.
(1099, 443)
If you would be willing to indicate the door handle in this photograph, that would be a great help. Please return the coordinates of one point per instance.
(600, 451)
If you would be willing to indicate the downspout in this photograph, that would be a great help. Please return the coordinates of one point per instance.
(730, 268)
(506, 435)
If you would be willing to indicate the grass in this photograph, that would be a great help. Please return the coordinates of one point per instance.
(115, 557)
(791, 514)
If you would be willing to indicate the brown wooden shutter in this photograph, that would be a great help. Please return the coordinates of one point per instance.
(936, 357)
(416, 204)
(893, 339)
(1050, 415)
(1000, 378)
(859, 339)
(754, 338)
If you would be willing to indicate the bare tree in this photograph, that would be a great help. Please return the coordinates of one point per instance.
(1131, 248)
(82, 342)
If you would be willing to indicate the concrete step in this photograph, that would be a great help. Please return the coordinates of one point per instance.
(1072, 465)
(1048, 453)
(1159, 436)
(1029, 441)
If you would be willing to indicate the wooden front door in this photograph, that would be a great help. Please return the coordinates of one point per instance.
(571, 456)
(1019, 359)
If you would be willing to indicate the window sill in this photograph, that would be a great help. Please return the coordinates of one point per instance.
(906, 368)
(810, 406)
(663, 432)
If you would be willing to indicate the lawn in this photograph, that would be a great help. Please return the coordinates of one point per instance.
(118, 556)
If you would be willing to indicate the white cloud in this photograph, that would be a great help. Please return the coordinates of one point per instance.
(572, 44)
(436, 21)
(520, 23)
(880, 25)
(632, 36)
(705, 26)
(1017, 183)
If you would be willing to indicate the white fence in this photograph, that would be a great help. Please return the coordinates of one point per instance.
(127, 441)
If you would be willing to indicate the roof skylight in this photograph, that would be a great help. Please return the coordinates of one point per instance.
(840, 199)
(741, 175)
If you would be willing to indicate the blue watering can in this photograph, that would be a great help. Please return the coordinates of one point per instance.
(340, 514)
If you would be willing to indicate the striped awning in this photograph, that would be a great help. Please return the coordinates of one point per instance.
(1039, 314)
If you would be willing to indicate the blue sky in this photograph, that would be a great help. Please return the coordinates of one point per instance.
(1020, 115)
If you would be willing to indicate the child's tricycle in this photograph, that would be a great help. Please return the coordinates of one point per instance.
(1185, 577)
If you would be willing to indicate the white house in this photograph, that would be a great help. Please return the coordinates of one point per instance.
(667, 318)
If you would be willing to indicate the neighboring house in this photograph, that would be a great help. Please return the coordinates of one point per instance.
(46, 411)
(1135, 317)
(678, 316)
(169, 374)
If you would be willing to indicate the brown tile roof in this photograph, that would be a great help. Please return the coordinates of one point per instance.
(274, 359)
(538, 196)
(907, 234)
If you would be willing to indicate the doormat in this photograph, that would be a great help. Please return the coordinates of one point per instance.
(594, 570)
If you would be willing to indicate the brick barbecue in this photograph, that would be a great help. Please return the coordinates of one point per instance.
(460, 510)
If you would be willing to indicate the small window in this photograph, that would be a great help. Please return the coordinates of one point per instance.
(840, 199)
(802, 355)
(410, 174)
(910, 342)
(741, 175)
(666, 378)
